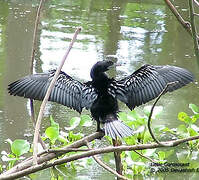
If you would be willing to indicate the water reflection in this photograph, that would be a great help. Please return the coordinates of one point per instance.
(131, 33)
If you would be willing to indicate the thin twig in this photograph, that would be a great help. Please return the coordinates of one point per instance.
(151, 113)
(193, 29)
(145, 156)
(105, 166)
(60, 172)
(42, 108)
(196, 2)
(180, 19)
(35, 34)
(195, 14)
(32, 113)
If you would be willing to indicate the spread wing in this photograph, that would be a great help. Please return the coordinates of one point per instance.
(66, 91)
(148, 82)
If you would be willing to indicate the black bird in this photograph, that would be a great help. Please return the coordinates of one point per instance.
(101, 94)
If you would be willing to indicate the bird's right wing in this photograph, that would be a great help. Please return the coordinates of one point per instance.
(66, 91)
(148, 82)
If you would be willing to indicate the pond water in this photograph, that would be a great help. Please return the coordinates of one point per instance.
(129, 32)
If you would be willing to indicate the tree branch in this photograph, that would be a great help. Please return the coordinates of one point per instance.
(151, 113)
(32, 113)
(45, 156)
(193, 29)
(44, 165)
(117, 156)
(35, 34)
(101, 163)
(180, 19)
(145, 156)
(196, 2)
(42, 108)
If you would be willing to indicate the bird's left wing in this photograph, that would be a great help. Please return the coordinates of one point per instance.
(67, 91)
(148, 82)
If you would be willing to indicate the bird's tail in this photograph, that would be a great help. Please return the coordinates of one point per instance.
(115, 128)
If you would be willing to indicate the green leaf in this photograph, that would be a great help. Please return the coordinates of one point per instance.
(133, 155)
(52, 133)
(192, 132)
(182, 116)
(86, 121)
(194, 108)
(194, 118)
(130, 140)
(183, 156)
(53, 123)
(62, 139)
(147, 137)
(20, 147)
(161, 155)
(182, 129)
(74, 122)
(74, 137)
(149, 152)
(168, 153)
(134, 114)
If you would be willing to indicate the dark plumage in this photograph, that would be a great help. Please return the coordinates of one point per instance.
(100, 95)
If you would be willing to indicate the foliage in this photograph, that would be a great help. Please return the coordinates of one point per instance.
(18, 148)
(134, 163)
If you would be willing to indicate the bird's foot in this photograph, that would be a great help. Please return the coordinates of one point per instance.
(100, 130)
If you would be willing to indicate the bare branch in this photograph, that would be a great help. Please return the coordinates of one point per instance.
(193, 29)
(195, 14)
(66, 150)
(184, 23)
(151, 113)
(44, 165)
(105, 166)
(196, 2)
(34, 34)
(45, 156)
(31, 66)
(145, 156)
(37, 127)
(117, 156)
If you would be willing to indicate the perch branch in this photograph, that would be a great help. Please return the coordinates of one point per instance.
(37, 127)
(44, 165)
(45, 156)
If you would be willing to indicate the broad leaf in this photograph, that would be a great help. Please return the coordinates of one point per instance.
(194, 108)
(20, 147)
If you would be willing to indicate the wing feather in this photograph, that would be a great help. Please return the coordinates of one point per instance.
(66, 91)
(148, 82)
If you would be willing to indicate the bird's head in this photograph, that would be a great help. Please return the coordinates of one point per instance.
(100, 67)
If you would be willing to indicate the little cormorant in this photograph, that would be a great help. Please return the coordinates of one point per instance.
(101, 94)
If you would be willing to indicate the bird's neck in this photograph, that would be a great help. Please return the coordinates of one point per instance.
(100, 82)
